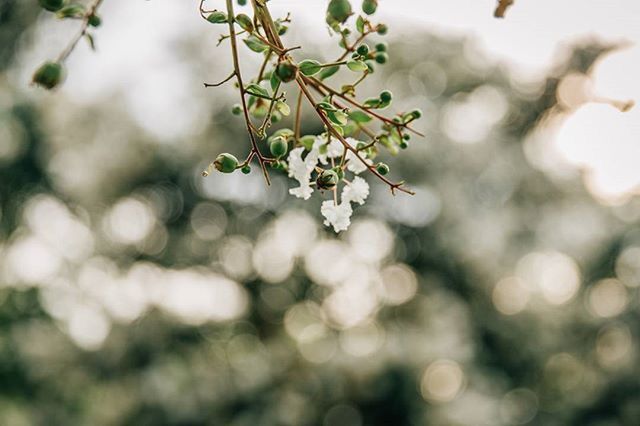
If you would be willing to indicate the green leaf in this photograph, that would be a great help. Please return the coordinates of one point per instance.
(359, 116)
(357, 66)
(307, 142)
(274, 81)
(372, 103)
(309, 67)
(255, 44)
(360, 24)
(245, 22)
(326, 106)
(255, 90)
(339, 10)
(328, 72)
(338, 117)
(72, 11)
(91, 41)
(283, 108)
(217, 17)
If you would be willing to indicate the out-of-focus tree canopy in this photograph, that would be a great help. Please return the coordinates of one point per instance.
(135, 292)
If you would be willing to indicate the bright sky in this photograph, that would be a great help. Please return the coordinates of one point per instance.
(134, 55)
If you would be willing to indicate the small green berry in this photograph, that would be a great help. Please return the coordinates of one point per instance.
(386, 96)
(286, 71)
(52, 5)
(382, 168)
(382, 57)
(403, 145)
(242, 2)
(406, 136)
(226, 163)
(237, 109)
(246, 169)
(382, 29)
(94, 21)
(49, 75)
(339, 10)
(369, 6)
(382, 47)
(363, 50)
(278, 147)
(328, 179)
(416, 113)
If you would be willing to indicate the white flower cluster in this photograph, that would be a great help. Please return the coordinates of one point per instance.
(355, 190)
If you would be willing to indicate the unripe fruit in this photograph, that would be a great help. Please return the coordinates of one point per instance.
(386, 96)
(339, 10)
(369, 6)
(94, 21)
(416, 113)
(242, 2)
(226, 163)
(278, 147)
(382, 57)
(382, 168)
(246, 169)
(328, 179)
(382, 29)
(52, 5)
(49, 75)
(286, 71)
(236, 110)
(363, 50)
(382, 47)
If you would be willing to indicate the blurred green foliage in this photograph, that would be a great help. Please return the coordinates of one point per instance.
(447, 352)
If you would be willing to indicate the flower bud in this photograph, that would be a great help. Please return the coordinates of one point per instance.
(246, 169)
(226, 163)
(382, 29)
(286, 71)
(278, 147)
(382, 168)
(403, 145)
(339, 10)
(94, 20)
(328, 179)
(382, 57)
(363, 50)
(49, 75)
(386, 96)
(382, 47)
(242, 2)
(52, 5)
(416, 114)
(236, 109)
(369, 6)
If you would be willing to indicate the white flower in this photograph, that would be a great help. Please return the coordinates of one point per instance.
(334, 149)
(356, 192)
(300, 169)
(338, 216)
(355, 165)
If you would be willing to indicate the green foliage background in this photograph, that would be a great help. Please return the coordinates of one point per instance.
(491, 208)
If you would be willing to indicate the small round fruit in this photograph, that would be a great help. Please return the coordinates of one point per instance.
(49, 75)
(278, 147)
(363, 50)
(52, 5)
(94, 20)
(382, 168)
(382, 57)
(369, 6)
(382, 29)
(286, 71)
(246, 169)
(236, 109)
(386, 96)
(382, 47)
(226, 163)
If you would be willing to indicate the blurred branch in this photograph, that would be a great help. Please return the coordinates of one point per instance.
(502, 7)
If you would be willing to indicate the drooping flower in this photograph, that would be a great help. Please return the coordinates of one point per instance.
(300, 169)
(356, 192)
(338, 216)
(333, 150)
(355, 165)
